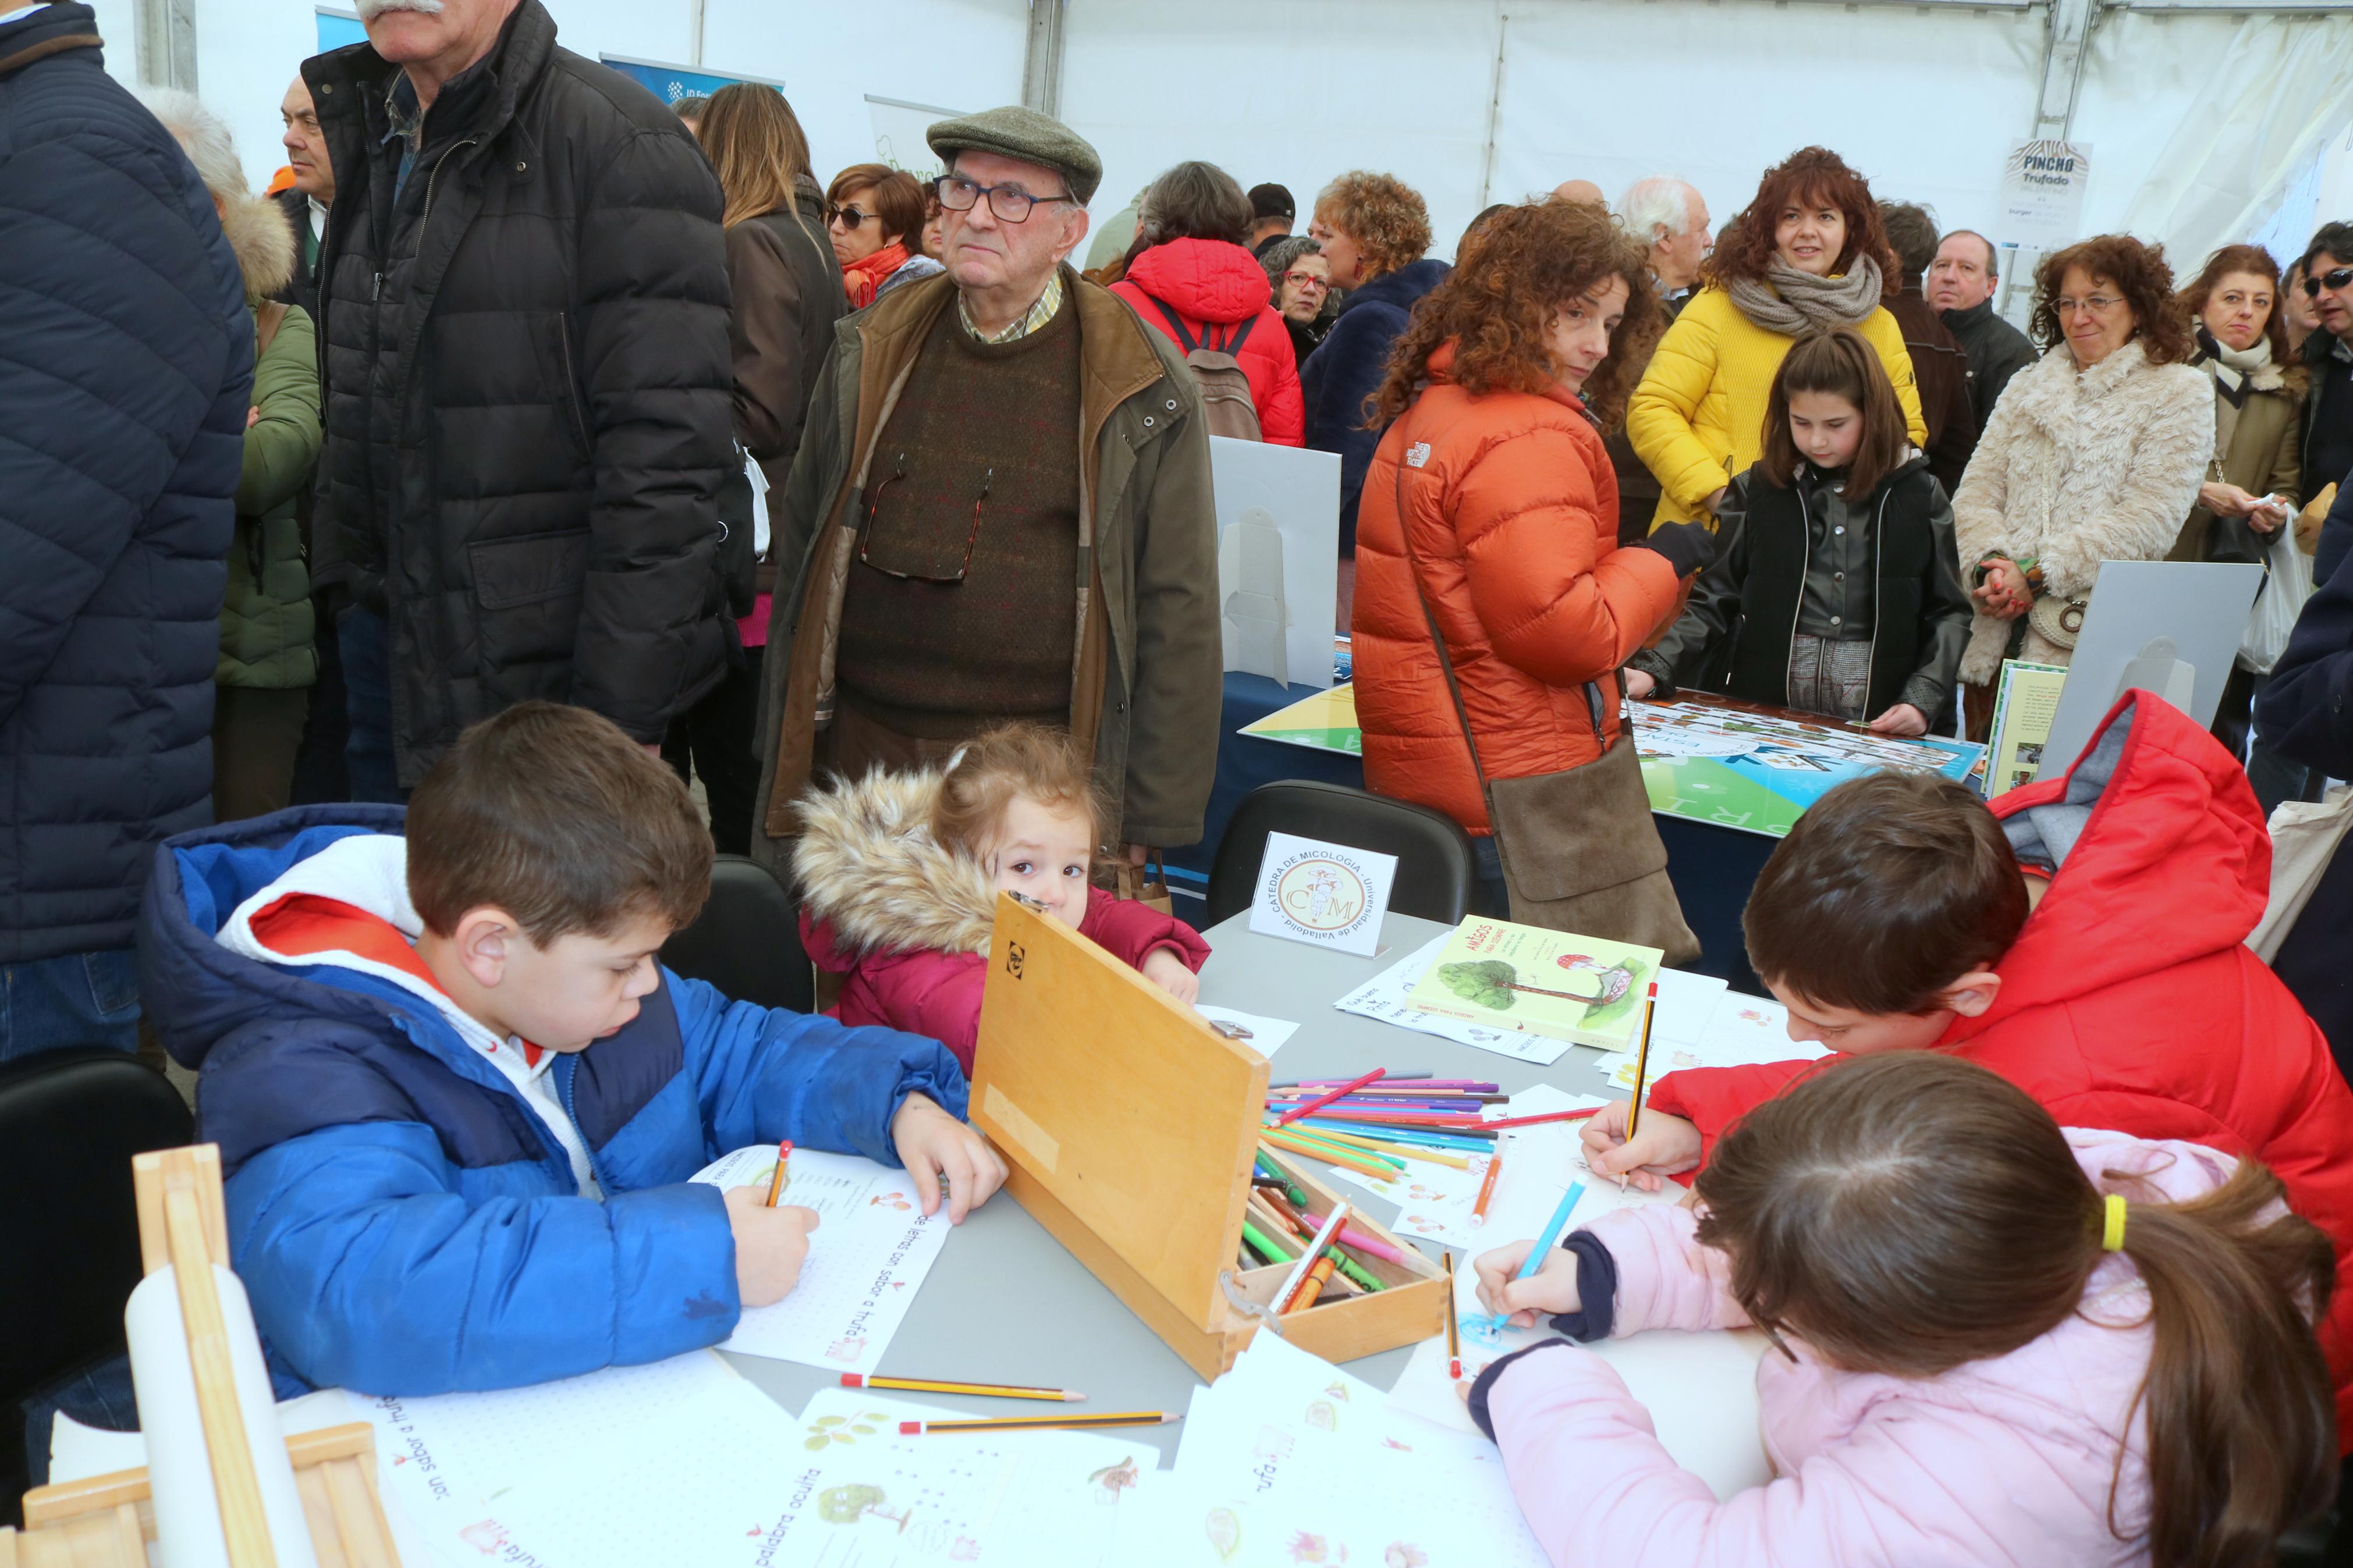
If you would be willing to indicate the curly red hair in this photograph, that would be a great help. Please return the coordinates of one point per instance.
(2138, 271)
(1808, 175)
(1516, 272)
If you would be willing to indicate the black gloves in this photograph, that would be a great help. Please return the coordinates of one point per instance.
(1689, 547)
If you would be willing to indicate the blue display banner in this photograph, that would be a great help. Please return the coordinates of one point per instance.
(337, 28)
(670, 83)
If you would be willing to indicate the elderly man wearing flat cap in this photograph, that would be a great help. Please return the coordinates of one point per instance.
(1001, 510)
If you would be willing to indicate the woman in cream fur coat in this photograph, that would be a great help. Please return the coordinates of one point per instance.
(2094, 454)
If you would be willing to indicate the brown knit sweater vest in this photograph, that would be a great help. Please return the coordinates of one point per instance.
(996, 423)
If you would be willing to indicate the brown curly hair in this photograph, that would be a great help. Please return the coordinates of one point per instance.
(1496, 303)
(2135, 271)
(1385, 216)
(1808, 174)
(2253, 259)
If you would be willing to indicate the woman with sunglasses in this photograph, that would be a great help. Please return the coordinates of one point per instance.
(1301, 277)
(875, 215)
(2094, 453)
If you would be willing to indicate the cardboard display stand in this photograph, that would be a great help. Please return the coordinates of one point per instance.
(1130, 1125)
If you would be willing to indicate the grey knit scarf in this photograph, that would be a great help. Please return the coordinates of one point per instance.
(1793, 303)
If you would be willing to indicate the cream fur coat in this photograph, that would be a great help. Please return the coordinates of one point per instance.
(2075, 469)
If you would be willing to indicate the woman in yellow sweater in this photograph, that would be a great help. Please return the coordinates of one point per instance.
(1807, 255)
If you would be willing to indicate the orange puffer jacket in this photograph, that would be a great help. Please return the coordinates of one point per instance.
(1514, 513)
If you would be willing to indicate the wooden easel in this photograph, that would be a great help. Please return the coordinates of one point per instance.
(106, 1520)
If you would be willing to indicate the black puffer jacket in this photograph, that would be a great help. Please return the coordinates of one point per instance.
(526, 368)
(126, 360)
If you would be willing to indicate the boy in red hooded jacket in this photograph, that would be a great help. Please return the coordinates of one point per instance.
(2086, 938)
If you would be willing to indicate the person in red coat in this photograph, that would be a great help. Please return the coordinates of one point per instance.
(1896, 916)
(1195, 280)
(900, 873)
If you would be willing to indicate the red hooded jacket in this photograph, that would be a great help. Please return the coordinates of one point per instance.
(1212, 285)
(906, 923)
(2130, 1000)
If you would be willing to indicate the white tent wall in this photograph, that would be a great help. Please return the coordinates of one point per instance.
(2201, 124)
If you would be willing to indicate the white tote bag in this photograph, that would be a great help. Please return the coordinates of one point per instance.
(2305, 838)
(2287, 584)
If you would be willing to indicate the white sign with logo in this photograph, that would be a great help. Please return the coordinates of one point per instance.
(2042, 185)
(1327, 895)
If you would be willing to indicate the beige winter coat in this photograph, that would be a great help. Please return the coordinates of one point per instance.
(2077, 469)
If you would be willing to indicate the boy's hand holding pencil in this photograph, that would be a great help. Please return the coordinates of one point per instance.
(1662, 1145)
(771, 1243)
(1551, 1289)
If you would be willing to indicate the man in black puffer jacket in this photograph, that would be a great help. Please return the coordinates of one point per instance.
(126, 364)
(523, 319)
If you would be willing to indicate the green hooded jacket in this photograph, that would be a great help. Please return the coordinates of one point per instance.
(268, 631)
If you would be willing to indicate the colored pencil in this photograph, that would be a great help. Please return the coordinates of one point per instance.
(1394, 1074)
(1311, 1288)
(1436, 1155)
(1547, 1115)
(1382, 1165)
(1453, 1335)
(1413, 1141)
(1546, 1242)
(1314, 1250)
(943, 1385)
(1641, 1071)
(776, 1181)
(1290, 1116)
(1040, 1423)
(1486, 1189)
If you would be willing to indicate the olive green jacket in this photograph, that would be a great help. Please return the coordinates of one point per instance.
(268, 635)
(2264, 459)
(1147, 684)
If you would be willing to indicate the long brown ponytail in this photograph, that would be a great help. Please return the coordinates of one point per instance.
(1909, 1212)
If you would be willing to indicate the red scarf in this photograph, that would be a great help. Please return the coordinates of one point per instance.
(865, 275)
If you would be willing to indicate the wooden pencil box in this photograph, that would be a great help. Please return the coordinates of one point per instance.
(1129, 1125)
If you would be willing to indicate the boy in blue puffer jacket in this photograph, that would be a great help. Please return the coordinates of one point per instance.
(457, 1099)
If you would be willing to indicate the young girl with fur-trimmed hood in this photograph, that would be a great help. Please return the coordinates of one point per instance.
(900, 873)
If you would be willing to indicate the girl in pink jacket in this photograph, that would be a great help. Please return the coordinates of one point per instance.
(900, 873)
(1994, 1342)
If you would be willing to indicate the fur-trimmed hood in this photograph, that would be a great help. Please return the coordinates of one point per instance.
(870, 872)
(264, 244)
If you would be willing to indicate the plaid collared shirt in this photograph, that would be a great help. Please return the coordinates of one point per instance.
(1037, 316)
(408, 123)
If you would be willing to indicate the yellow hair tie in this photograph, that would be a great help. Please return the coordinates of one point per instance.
(2113, 1239)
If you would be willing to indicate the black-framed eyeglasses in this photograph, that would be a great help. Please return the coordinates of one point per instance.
(848, 217)
(1011, 204)
(2332, 282)
(908, 572)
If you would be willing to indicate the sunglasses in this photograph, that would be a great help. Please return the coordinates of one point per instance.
(2332, 282)
(848, 218)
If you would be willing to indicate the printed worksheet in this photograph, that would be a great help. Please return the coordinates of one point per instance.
(1288, 1460)
(1384, 997)
(862, 1496)
(1264, 1035)
(1741, 1031)
(1700, 1388)
(867, 1257)
(673, 1464)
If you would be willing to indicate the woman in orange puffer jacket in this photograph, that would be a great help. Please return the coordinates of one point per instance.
(1495, 460)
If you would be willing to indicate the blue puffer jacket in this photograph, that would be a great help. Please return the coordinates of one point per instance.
(400, 1217)
(1350, 365)
(126, 361)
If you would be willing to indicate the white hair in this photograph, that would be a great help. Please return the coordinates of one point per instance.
(1658, 201)
(203, 136)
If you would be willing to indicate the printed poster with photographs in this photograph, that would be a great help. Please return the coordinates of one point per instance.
(1326, 895)
(1757, 770)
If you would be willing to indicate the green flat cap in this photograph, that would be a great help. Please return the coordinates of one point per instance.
(1014, 132)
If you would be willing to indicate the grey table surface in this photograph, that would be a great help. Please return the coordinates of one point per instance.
(1005, 1301)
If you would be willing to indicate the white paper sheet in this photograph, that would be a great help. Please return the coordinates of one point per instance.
(861, 1496)
(1265, 1036)
(867, 1257)
(1383, 997)
(1742, 1031)
(676, 1463)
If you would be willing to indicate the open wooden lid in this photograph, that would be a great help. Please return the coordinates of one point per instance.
(1120, 1101)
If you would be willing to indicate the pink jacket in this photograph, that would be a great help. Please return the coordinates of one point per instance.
(907, 924)
(2000, 1461)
